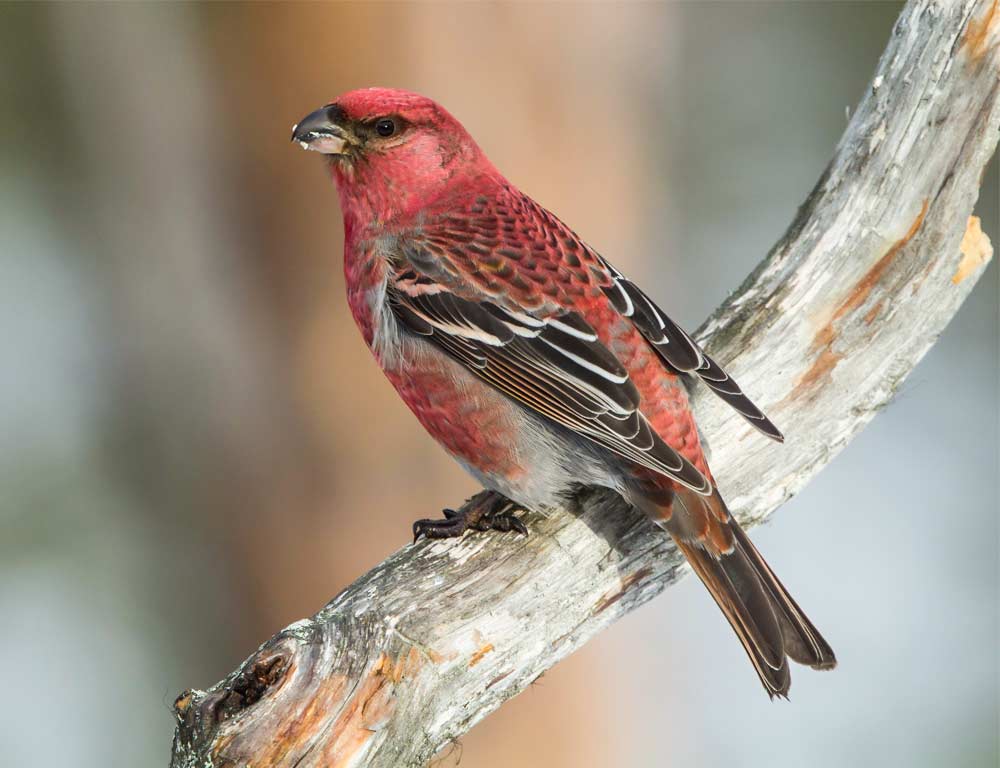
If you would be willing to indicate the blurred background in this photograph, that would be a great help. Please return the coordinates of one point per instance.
(196, 449)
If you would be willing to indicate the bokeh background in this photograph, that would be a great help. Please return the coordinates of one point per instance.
(196, 450)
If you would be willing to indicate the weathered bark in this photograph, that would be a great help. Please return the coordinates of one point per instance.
(874, 266)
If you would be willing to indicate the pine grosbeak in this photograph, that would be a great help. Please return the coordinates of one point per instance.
(534, 362)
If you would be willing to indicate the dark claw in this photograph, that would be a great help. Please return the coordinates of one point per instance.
(486, 511)
(518, 525)
(448, 528)
(504, 521)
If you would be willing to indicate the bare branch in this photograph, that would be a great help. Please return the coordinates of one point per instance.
(874, 266)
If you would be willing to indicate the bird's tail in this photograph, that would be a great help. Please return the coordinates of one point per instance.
(768, 622)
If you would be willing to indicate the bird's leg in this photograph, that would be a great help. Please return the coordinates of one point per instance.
(486, 511)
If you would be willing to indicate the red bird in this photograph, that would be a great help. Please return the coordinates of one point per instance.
(532, 360)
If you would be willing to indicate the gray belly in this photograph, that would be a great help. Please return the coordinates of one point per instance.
(559, 465)
(558, 462)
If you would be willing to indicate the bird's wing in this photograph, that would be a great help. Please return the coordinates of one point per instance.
(553, 365)
(680, 351)
(507, 246)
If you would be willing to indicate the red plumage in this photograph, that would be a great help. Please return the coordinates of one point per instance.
(528, 357)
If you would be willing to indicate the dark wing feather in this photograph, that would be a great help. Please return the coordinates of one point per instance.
(555, 366)
(679, 350)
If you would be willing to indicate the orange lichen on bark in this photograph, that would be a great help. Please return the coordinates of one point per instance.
(434, 656)
(360, 711)
(863, 289)
(479, 654)
(627, 583)
(822, 344)
(372, 703)
(976, 37)
(404, 666)
(820, 369)
(872, 313)
(289, 738)
(370, 707)
(976, 250)
(408, 665)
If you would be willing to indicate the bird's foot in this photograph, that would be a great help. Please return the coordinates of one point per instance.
(486, 511)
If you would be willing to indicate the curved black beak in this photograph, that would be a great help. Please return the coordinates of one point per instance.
(322, 131)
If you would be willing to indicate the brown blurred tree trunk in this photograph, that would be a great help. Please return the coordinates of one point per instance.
(204, 425)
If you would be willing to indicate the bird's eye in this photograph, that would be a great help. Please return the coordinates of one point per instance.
(385, 127)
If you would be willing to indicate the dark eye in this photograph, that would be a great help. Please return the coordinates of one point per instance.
(385, 127)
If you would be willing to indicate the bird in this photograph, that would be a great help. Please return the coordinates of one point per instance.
(534, 362)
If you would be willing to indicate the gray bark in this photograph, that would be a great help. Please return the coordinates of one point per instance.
(877, 261)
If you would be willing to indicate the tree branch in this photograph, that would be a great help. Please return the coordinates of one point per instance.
(876, 263)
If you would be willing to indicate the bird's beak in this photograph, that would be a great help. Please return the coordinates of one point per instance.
(321, 131)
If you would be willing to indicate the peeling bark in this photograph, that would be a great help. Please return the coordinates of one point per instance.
(876, 263)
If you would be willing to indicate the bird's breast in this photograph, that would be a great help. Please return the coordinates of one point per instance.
(366, 271)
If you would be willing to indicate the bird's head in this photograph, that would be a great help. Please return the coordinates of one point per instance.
(391, 152)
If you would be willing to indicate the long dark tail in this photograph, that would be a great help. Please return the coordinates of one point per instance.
(768, 622)
(803, 642)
